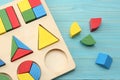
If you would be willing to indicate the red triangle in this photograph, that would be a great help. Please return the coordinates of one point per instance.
(95, 23)
(24, 67)
(20, 53)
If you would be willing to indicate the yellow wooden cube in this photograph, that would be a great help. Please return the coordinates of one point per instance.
(24, 5)
(2, 28)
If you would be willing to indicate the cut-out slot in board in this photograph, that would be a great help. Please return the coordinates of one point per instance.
(28, 34)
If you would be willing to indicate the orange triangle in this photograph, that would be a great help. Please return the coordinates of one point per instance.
(20, 53)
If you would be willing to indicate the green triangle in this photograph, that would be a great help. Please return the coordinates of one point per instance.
(14, 48)
(88, 40)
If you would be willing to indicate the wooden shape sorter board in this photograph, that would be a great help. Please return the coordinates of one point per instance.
(37, 31)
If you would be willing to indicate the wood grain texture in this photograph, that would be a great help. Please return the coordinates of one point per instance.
(107, 36)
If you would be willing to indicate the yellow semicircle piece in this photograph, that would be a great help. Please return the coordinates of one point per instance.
(45, 38)
(74, 29)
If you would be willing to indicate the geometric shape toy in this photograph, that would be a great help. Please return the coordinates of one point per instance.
(95, 23)
(5, 20)
(12, 17)
(25, 76)
(24, 5)
(2, 63)
(25, 67)
(35, 71)
(2, 28)
(19, 49)
(32, 10)
(20, 53)
(30, 69)
(104, 60)
(45, 38)
(88, 40)
(74, 29)
(28, 15)
(4, 76)
(34, 3)
(39, 11)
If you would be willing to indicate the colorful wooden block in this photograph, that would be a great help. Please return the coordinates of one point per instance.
(5, 20)
(12, 17)
(14, 47)
(34, 3)
(74, 29)
(88, 40)
(39, 11)
(28, 15)
(25, 76)
(24, 67)
(45, 38)
(31, 68)
(24, 5)
(2, 27)
(35, 71)
(104, 60)
(19, 49)
(2, 63)
(20, 53)
(95, 23)
(20, 44)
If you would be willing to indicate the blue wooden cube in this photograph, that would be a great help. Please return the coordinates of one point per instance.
(39, 11)
(104, 60)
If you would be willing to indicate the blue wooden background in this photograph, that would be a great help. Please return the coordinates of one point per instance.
(107, 36)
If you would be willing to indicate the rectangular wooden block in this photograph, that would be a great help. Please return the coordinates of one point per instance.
(13, 17)
(2, 28)
(5, 19)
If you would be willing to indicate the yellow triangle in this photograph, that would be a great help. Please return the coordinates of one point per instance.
(25, 76)
(74, 29)
(45, 38)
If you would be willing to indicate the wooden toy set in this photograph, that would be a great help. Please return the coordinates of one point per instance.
(104, 60)
(31, 45)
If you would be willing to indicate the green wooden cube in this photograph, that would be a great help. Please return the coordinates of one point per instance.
(28, 15)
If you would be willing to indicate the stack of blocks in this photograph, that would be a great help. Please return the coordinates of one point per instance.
(104, 60)
(8, 20)
(31, 10)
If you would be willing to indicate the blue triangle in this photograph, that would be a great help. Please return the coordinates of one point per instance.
(20, 44)
(1, 63)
